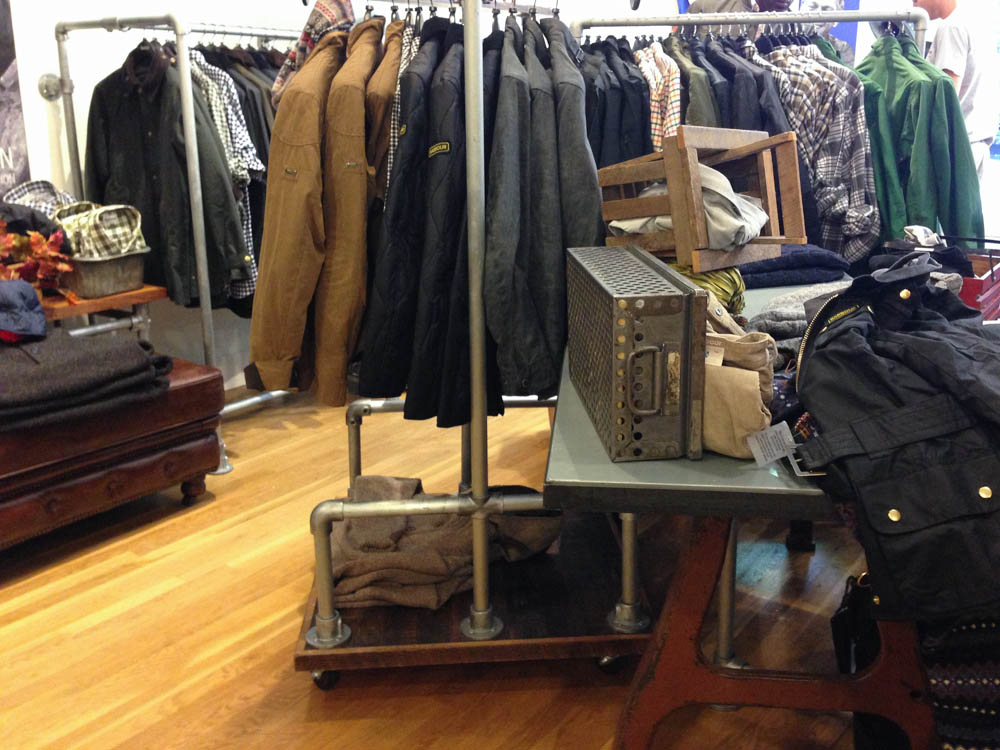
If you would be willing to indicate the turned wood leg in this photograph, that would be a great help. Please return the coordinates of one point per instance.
(192, 488)
(673, 672)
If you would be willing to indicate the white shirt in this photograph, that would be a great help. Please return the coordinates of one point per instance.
(966, 45)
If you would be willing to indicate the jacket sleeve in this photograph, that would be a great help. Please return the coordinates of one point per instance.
(292, 246)
(97, 165)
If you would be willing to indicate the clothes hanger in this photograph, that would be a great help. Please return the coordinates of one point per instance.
(394, 13)
(368, 12)
(433, 9)
(496, 16)
(418, 24)
(408, 19)
(451, 11)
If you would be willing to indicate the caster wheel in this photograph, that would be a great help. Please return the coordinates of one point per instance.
(326, 679)
(611, 664)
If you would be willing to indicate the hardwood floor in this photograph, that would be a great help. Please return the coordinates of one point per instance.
(158, 626)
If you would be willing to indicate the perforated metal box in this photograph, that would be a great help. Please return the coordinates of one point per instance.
(637, 352)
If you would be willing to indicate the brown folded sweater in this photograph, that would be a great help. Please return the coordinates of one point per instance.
(420, 561)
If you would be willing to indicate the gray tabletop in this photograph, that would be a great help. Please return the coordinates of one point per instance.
(581, 476)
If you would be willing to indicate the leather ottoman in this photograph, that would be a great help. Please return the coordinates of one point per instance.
(54, 475)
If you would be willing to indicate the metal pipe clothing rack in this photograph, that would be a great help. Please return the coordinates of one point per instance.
(172, 23)
(324, 633)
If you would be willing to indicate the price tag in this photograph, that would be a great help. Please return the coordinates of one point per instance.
(772, 444)
(714, 355)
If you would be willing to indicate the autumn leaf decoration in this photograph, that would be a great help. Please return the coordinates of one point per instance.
(35, 259)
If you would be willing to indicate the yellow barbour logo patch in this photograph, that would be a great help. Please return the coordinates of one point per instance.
(402, 129)
(843, 314)
(439, 148)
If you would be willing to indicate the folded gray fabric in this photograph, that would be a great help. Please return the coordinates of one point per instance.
(419, 561)
(784, 317)
(732, 219)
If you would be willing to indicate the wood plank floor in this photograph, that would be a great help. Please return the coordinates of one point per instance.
(158, 626)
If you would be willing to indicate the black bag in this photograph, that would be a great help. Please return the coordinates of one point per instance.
(903, 382)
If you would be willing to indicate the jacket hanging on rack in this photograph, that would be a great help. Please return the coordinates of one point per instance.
(296, 240)
(386, 341)
(135, 155)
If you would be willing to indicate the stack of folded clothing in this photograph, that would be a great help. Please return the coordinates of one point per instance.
(798, 265)
(421, 561)
(45, 379)
(784, 317)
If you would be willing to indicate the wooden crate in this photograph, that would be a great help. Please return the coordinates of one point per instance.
(759, 166)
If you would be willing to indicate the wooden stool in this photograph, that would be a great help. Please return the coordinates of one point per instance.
(673, 673)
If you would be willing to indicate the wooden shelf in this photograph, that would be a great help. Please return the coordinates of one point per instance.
(57, 308)
(553, 606)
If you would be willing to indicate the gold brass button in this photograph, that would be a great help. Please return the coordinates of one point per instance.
(621, 339)
(985, 493)
(622, 304)
(620, 355)
(895, 515)
(247, 258)
(905, 294)
(876, 600)
(621, 321)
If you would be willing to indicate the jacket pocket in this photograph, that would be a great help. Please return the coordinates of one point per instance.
(933, 534)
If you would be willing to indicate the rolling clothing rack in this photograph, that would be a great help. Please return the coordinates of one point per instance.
(324, 634)
(170, 22)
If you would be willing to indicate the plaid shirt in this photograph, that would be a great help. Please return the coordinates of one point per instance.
(411, 45)
(669, 70)
(217, 108)
(40, 195)
(854, 202)
(246, 164)
(657, 95)
(326, 16)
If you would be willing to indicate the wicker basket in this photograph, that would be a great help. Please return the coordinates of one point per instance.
(102, 277)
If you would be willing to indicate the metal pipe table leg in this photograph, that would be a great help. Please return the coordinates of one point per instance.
(141, 311)
(724, 654)
(330, 630)
(628, 615)
(481, 624)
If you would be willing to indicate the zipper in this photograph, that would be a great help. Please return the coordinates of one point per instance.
(805, 337)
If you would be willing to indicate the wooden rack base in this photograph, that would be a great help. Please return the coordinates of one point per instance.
(553, 606)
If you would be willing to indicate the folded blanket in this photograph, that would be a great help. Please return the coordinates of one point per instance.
(784, 317)
(61, 376)
(420, 561)
(798, 264)
(792, 277)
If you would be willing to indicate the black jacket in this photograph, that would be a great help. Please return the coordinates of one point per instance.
(135, 155)
(579, 191)
(745, 114)
(903, 381)
(386, 343)
(721, 86)
(595, 80)
(633, 126)
(444, 232)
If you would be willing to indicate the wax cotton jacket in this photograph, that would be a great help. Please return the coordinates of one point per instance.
(379, 94)
(596, 103)
(633, 125)
(579, 191)
(311, 290)
(386, 344)
(511, 313)
(697, 102)
(135, 155)
(722, 88)
(444, 233)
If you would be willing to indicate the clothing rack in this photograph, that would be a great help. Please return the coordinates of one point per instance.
(172, 23)
(321, 647)
(917, 16)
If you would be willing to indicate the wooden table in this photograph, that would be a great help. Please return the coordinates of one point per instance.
(715, 490)
(58, 309)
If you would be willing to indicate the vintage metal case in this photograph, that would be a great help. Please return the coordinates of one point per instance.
(637, 352)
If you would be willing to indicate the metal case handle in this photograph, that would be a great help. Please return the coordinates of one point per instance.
(658, 366)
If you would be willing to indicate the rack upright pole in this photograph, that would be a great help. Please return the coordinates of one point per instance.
(481, 624)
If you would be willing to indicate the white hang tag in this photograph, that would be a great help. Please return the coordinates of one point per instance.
(772, 444)
(714, 355)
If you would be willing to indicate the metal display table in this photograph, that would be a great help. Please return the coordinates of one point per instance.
(714, 491)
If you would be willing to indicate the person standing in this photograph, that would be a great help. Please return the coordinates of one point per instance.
(965, 47)
(845, 50)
